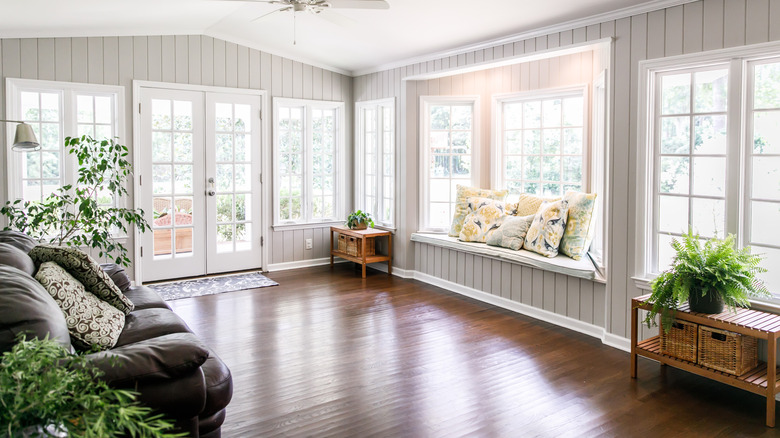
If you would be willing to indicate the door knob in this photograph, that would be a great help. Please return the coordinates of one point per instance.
(211, 192)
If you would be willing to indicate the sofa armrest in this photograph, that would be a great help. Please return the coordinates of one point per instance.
(117, 274)
(162, 358)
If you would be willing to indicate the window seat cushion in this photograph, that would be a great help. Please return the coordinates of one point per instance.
(561, 264)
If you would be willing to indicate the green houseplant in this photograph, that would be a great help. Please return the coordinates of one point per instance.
(47, 391)
(708, 275)
(84, 214)
(359, 220)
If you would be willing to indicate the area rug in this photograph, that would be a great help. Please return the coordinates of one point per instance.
(211, 285)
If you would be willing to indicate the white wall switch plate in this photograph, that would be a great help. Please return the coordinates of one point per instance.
(308, 243)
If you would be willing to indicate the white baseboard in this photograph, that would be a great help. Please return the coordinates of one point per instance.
(402, 273)
(301, 264)
(534, 312)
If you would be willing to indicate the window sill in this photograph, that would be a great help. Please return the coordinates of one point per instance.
(562, 265)
(306, 226)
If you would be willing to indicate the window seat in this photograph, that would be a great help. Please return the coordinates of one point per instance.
(561, 264)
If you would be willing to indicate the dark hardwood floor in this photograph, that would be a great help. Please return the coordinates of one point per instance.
(327, 353)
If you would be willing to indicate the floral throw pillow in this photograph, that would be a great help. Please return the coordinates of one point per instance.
(86, 270)
(528, 204)
(463, 193)
(545, 233)
(580, 226)
(482, 219)
(92, 322)
(511, 232)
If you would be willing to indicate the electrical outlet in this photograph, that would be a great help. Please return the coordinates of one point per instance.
(308, 243)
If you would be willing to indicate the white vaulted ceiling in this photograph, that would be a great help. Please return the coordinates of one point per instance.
(408, 29)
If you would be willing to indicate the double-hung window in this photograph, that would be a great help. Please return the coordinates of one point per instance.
(449, 155)
(710, 133)
(375, 160)
(308, 161)
(539, 142)
(57, 110)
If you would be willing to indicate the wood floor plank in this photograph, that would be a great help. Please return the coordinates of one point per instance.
(327, 353)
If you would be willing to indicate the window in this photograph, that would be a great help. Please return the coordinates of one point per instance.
(598, 169)
(449, 156)
(375, 160)
(57, 110)
(540, 147)
(308, 161)
(713, 154)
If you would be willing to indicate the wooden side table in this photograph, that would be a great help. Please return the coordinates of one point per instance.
(363, 259)
(761, 380)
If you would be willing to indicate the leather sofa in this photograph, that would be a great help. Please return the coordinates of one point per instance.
(156, 354)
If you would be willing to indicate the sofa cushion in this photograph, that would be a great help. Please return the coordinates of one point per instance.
(145, 298)
(117, 275)
(511, 232)
(13, 256)
(92, 322)
(18, 239)
(545, 233)
(86, 270)
(161, 358)
(463, 193)
(26, 307)
(219, 384)
(150, 323)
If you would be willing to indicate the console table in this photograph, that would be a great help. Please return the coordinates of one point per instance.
(761, 380)
(363, 259)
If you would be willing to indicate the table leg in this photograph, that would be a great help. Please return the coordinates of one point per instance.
(771, 377)
(634, 335)
(331, 248)
(390, 254)
(365, 251)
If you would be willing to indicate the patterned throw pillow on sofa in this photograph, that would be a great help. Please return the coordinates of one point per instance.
(482, 220)
(92, 322)
(511, 232)
(462, 207)
(544, 235)
(86, 270)
(581, 224)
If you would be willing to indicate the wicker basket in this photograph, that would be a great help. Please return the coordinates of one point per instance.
(727, 351)
(680, 340)
(355, 246)
(342, 243)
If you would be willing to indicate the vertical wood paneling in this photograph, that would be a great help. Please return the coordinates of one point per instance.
(674, 31)
(693, 24)
(242, 67)
(231, 65)
(79, 60)
(757, 14)
(194, 63)
(561, 291)
(207, 60)
(29, 59)
(182, 49)
(140, 60)
(95, 60)
(168, 58)
(506, 280)
(46, 60)
(455, 257)
(219, 63)
(154, 54)
(62, 59)
(516, 293)
(527, 287)
(734, 19)
(111, 60)
(713, 25)
(573, 297)
(548, 291)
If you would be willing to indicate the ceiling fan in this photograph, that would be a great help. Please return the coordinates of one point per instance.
(316, 7)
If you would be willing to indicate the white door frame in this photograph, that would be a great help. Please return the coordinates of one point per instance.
(264, 153)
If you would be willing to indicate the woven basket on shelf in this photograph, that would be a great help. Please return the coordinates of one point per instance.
(355, 246)
(727, 351)
(342, 243)
(680, 340)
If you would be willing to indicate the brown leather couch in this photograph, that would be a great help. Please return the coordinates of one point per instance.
(157, 354)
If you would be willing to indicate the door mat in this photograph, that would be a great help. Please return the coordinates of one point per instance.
(176, 290)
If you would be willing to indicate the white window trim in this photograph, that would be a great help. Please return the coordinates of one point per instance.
(386, 105)
(425, 103)
(737, 59)
(497, 133)
(15, 86)
(339, 179)
(601, 134)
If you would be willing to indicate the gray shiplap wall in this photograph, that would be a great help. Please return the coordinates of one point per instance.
(689, 28)
(185, 59)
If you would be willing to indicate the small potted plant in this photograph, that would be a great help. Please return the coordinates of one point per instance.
(359, 221)
(708, 275)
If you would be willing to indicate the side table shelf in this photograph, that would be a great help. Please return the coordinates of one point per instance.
(363, 259)
(760, 380)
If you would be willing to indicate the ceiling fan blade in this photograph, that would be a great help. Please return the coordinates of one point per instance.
(359, 4)
(288, 8)
(336, 18)
(272, 2)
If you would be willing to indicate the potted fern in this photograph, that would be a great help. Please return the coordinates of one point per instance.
(708, 275)
(359, 220)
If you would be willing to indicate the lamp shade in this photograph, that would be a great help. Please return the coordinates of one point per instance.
(25, 138)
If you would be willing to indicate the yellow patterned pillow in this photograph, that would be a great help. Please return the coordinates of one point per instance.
(581, 224)
(528, 204)
(544, 235)
(483, 220)
(461, 204)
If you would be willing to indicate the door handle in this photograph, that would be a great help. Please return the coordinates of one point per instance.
(211, 192)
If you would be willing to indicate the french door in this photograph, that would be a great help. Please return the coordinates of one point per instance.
(200, 182)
